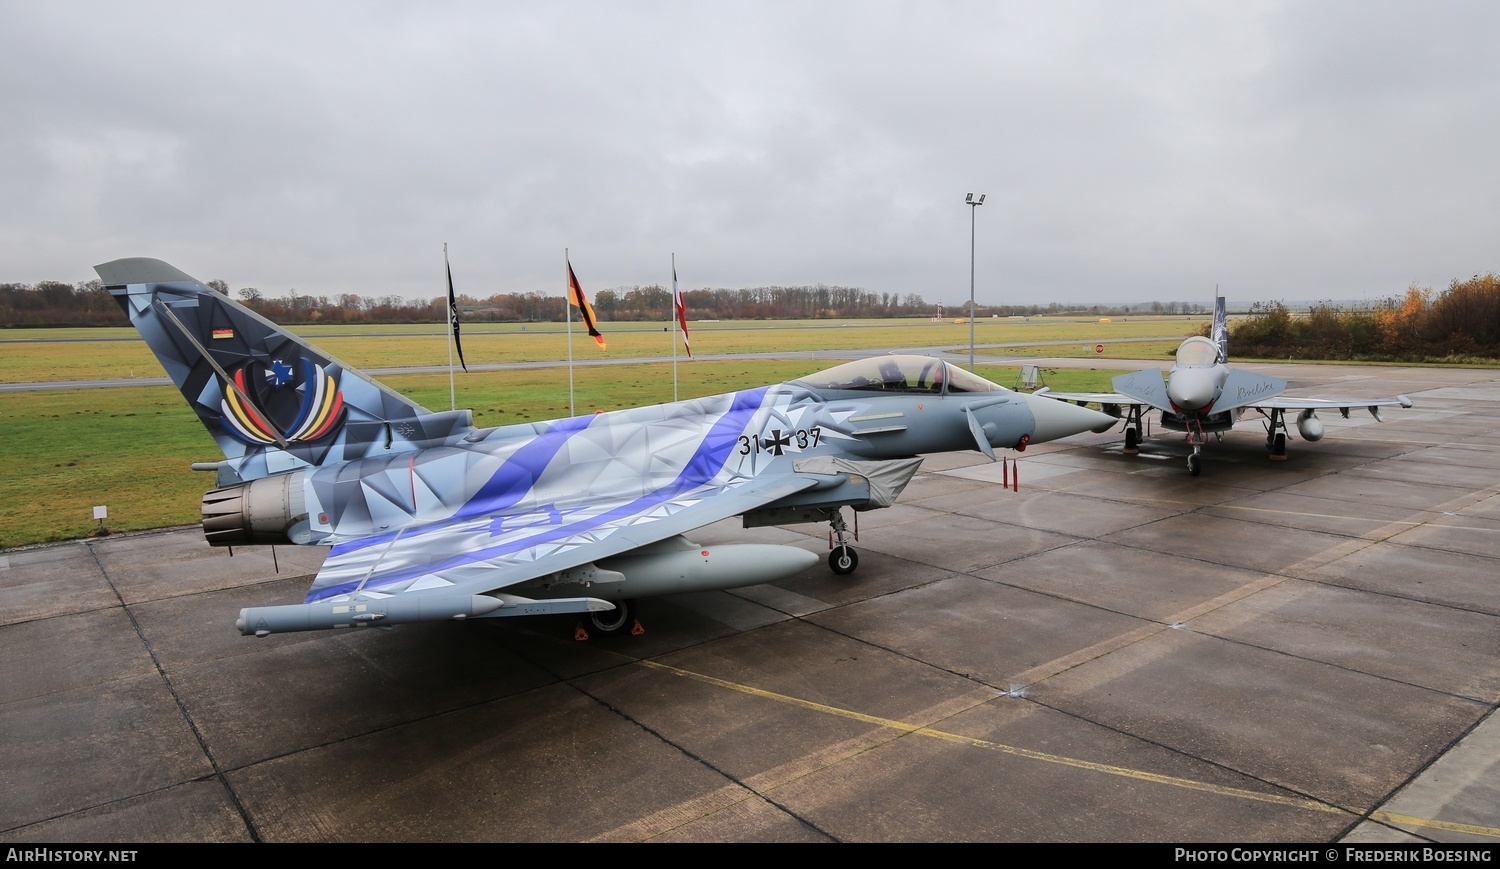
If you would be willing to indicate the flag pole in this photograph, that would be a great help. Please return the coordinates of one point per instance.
(673, 315)
(453, 342)
(452, 390)
(568, 308)
(585, 315)
(679, 317)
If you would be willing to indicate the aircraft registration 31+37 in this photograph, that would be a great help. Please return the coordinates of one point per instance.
(428, 518)
(1203, 394)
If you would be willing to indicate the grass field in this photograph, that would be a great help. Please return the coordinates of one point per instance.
(129, 449)
(92, 354)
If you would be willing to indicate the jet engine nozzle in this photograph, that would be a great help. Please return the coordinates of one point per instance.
(1192, 388)
(268, 510)
(1309, 426)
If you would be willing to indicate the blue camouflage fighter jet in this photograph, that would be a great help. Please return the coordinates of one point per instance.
(428, 518)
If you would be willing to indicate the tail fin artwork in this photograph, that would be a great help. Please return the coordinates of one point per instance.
(271, 401)
(1220, 333)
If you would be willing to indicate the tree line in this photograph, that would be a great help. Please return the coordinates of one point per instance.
(54, 303)
(1459, 324)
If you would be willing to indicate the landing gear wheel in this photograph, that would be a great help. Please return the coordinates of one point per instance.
(843, 560)
(613, 622)
(1195, 464)
(1132, 440)
(1278, 447)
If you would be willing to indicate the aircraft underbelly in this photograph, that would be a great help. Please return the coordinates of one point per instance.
(1212, 423)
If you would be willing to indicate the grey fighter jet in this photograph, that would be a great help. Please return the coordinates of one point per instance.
(1202, 394)
(428, 518)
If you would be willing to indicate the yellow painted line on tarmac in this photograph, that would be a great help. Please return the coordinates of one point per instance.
(1315, 515)
(1409, 821)
(1108, 769)
(1076, 763)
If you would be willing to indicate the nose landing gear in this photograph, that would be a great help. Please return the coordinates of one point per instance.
(842, 559)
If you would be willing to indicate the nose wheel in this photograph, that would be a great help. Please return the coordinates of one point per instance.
(842, 559)
(1194, 426)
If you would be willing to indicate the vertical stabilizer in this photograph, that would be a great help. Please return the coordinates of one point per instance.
(271, 401)
(1220, 335)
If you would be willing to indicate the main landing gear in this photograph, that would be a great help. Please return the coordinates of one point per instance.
(611, 623)
(1276, 435)
(842, 559)
(1133, 429)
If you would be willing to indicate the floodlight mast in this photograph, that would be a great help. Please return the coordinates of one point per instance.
(973, 204)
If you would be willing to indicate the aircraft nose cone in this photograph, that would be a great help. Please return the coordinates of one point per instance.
(1059, 419)
(1191, 389)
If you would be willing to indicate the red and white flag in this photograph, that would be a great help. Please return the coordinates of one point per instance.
(679, 305)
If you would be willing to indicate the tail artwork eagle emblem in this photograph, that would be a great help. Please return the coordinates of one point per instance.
(269, 403)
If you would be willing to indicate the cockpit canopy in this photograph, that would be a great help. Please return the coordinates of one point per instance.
(902, 374)
(1197, 352)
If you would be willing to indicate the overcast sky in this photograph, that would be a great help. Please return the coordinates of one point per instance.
(1129, 151)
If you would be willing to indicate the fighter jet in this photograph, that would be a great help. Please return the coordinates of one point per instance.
(428, 518)
(1202, 394)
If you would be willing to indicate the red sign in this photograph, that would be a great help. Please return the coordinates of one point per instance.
(1098, 348)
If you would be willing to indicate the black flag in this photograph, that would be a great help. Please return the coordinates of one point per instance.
(453, 313)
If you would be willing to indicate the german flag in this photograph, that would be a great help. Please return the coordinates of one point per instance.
(585, 310)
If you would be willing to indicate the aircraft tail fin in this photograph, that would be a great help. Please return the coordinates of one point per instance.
(1220, 334)
(270, 400)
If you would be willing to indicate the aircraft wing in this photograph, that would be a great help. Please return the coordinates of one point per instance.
(1141, 389)
(1146, 387)
(1248, 389)
(1089, 397)
(1342, 405)
(485, 553)
(1285, 402)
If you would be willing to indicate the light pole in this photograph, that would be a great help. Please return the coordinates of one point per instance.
(973, 204)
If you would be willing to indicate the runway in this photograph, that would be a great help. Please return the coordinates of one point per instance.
(1298, 651)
